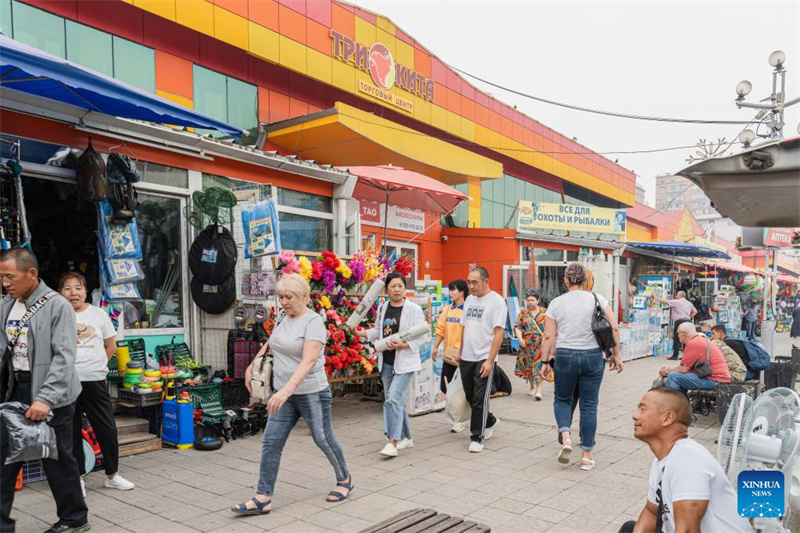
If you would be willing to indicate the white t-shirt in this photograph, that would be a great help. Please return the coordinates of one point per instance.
(481, 315)
(690, 472)
(573, 313)
(20, 358)
(94, 326)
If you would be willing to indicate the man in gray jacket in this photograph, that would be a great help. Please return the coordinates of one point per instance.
(39, 370)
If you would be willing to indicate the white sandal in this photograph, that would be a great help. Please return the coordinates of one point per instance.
(566, 451)
(587, 464)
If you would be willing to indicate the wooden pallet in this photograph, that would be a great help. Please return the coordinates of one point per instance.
(426, 521)
(134, 437)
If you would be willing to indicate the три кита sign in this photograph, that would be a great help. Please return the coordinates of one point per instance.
(377, 60)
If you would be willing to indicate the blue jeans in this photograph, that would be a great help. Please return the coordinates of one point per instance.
(688, 381)
(582, 369)
(395, 414)
(316, 411)
(751, 329)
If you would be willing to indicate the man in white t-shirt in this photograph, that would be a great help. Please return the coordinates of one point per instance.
(484, 319)
(688, 489)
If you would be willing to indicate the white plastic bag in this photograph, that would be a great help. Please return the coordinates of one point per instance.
(457, 409)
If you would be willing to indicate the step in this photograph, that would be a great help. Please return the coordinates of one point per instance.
(136, 443)
(130, 424)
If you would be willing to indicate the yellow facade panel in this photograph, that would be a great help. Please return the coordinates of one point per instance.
(422, 109)
(196, 14)
(474, 210)
(365, 32)
(162, 8)
(404, 54)
(293, 55)
(230, 28)
(185, 102)
(468, 129)
(385, 25)
(389, 40)
(438, 117)
(453, 123)
(263, 42)
(343, 76)
(318, 65)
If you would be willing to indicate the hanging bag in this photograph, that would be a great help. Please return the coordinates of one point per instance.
(702, 369)
(450, 354)
(261, 379)
(601, 327)
(90, 173)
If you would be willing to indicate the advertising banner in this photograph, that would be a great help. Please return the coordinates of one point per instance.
(532, 216)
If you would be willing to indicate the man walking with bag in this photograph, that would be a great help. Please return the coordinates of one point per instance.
(484, 320)
(37, 367)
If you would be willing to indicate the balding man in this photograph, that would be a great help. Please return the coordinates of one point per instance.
(688, 490)
(697, 348)
(682, 311)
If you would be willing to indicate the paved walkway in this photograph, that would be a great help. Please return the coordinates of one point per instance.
(514, 485)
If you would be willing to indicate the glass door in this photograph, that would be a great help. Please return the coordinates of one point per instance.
(409, 250)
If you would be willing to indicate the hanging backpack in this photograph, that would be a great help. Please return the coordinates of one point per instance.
(759, 358)
(122, 174)
(213, 255)
(90, 172)
(214, 299)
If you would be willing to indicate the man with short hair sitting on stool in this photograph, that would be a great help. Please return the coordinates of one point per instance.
(696, 347)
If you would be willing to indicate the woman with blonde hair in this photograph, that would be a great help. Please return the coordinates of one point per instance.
(301, 390)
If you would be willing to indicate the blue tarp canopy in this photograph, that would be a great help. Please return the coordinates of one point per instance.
(26, 69)
(680, 249)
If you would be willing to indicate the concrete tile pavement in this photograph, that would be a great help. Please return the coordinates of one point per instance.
(516, 484)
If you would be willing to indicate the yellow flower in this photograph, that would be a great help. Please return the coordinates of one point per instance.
(305, 268)
(325, 302)
(344, 270)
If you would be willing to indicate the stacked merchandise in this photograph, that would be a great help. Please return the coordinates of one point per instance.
(425, 395)
(728, 309)
(119, 253)
(638, 333)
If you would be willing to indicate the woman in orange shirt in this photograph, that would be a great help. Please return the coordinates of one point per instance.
(448, 332)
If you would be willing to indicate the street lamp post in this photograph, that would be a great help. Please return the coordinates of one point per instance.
(771, 109)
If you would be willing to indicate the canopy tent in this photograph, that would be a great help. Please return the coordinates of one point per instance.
(786, 278)
(679, 249)
(404, 188)
(733, 267)
(26, 69)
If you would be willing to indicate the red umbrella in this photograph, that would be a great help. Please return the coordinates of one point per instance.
(406, 188)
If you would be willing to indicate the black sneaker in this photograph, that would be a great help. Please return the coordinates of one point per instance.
(58, 527)
(673, 358)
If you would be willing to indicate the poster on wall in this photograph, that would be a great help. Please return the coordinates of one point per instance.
(532, 216)
(261, 234)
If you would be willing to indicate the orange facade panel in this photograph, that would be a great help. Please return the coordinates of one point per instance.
(174, 75)
(292, 24)
(343, 21)
(264, 12)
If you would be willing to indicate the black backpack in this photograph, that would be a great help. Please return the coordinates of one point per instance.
(122, 174)
(214, 299)
(213, 255)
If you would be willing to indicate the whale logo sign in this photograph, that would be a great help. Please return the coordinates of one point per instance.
(761, 493)
(381, 66)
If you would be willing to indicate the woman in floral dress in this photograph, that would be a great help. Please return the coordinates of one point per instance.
(529, 330)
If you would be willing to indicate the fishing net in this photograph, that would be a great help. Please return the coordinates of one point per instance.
(211, 206)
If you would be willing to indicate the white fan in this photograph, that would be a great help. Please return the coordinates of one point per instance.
(762, 435)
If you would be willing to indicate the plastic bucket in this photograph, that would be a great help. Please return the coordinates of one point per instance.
(123, 354)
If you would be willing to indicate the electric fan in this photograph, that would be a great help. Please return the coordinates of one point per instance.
(769, 441)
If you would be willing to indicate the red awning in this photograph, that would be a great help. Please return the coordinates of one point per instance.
(786, 278)
(405, 189)
(733, 267)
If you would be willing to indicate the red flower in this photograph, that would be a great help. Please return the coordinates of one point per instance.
(316, 270)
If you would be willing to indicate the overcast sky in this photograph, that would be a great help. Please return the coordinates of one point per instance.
(666, 59)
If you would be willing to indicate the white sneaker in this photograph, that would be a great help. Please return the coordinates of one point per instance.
(475, 447)
(488, 432)
(390, 450)
(458, 427)
(405, 443)
(532, 392)
(119, 483)
(83, 486)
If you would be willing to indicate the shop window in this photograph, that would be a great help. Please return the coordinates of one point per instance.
(89, 47)
(461, 214)
(210, 93)
(304, 233)
(304, 200)
(39, 29)
(547, 254)
(5, 17)
(487, 211)
(242, 105)
(497, 216)
(135, 64)
(487, 190)
(33, 151)
(159, 221)
(525, 252)
(163, 175)
(572, 256)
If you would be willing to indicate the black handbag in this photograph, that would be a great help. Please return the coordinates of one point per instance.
(702, 369)
(601, 327)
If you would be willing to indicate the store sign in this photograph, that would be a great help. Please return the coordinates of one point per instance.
(778, 237)
(533, 216)
(385, 72)
(400, 218)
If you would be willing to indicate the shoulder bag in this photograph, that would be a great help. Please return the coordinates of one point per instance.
(702, 369)
(261, 379)
(32, 310)
(601, 327)
(450, 354)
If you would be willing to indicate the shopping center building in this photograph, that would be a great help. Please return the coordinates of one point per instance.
(316, 87)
